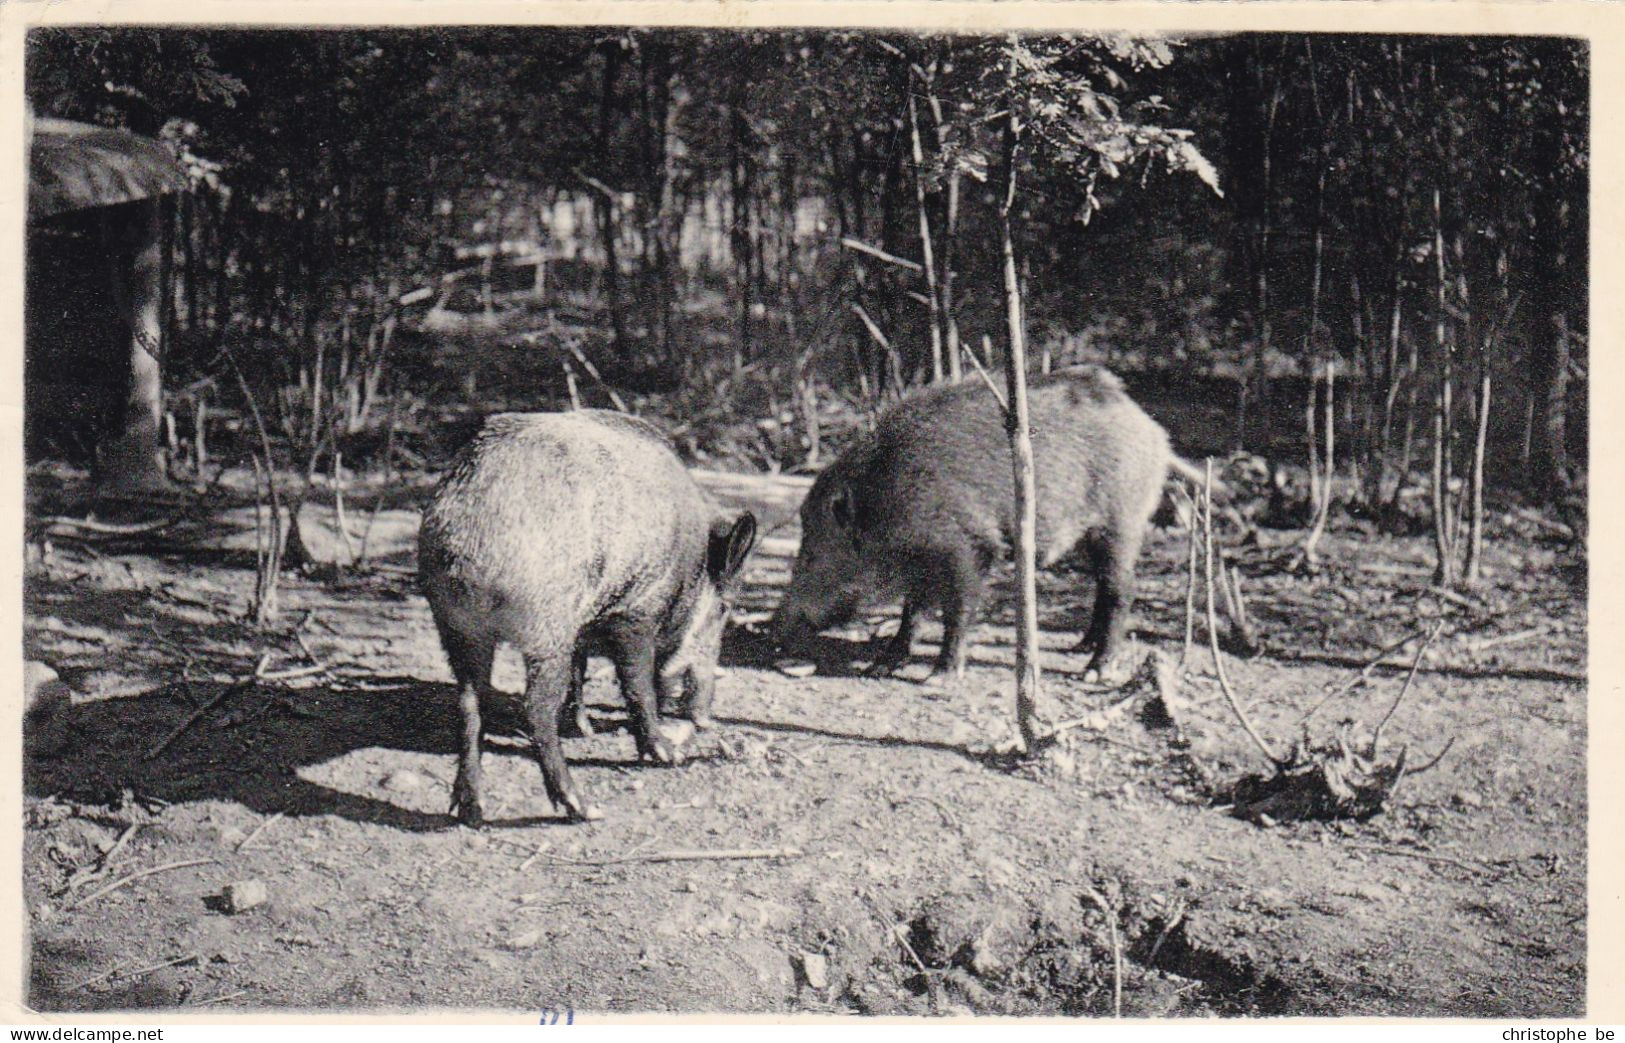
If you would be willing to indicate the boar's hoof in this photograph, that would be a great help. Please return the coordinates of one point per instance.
(576, 726)
(1107, 671)
(578, 810)
(465, 807)
(883, 667)
(661, 750)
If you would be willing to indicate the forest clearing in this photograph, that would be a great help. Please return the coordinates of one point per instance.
(1466, 898)
(939, 308)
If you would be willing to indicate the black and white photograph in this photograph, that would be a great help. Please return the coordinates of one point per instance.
(802, 520)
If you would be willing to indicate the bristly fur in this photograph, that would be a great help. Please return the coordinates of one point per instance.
(923, 505)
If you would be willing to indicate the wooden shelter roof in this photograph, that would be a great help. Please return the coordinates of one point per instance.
(73, 166)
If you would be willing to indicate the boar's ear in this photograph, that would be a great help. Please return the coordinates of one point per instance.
(730, 545)
(841, 506)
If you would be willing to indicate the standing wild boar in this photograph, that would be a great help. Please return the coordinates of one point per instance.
(564, 533)
(922, 506)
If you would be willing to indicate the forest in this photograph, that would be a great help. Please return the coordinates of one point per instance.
(1349, 271)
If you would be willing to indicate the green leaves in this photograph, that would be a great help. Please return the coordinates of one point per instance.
(1079, 128)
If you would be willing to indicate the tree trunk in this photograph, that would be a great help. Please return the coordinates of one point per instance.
(1475, 489)
(666, 222)
(1560, 214)
(1320, 478)
(1028, 718)
(950, 231)
(1444, 569)
(132, 461)
(928, 264)
(740, 239)
(604, 203)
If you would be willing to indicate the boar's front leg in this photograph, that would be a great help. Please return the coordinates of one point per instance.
(892, 652)
(962, 599)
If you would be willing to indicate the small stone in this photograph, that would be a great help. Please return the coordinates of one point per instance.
(636, 785)
(243, 895)
(796, 667)
(231, 836)
(524, 940)
(688, 886)
(531, 898)
(404, 781)
(815, 969)
(1467, 799)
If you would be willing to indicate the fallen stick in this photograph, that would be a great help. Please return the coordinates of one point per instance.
(1364, 675)
(901, 936)
(1449, 595)
(197, 714)
(219, 999)
(1176, 918)
(1117, 950)
(296, 672)
(1402, 853)
(1416, 664)
(102, 976)
(261, 828)
(725, 854)
(1507, 639)
(117, 973)
(1101, 719)
(1532, 517)
(85, 876)
(107, 528)
(133, 877)
(1394, 570)
(118, 845)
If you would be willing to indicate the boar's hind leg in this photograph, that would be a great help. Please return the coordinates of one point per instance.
(574, 722)
(547, 687)
(962, 596)
(1113, 562)
(633, 649)
(471, 663)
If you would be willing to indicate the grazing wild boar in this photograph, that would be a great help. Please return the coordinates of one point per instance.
(568, 533)
(923, 506)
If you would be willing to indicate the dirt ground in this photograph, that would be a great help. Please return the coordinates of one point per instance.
(901, 865)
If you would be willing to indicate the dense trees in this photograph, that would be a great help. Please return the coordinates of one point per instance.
(779, 216)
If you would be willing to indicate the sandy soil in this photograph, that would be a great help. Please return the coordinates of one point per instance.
(917, 871)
